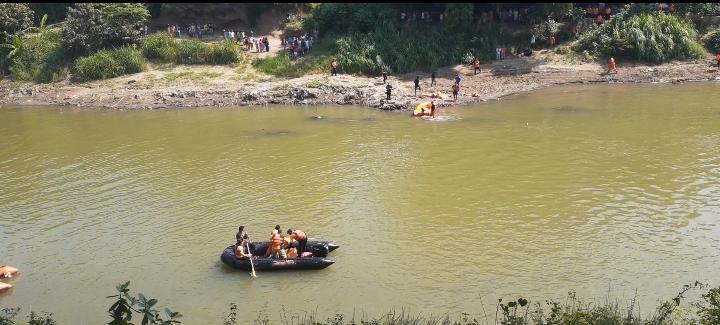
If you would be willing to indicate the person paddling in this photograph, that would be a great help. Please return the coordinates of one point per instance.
(241, 234)
(241, 251)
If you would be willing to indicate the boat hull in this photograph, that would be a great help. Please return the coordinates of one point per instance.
(267, 264)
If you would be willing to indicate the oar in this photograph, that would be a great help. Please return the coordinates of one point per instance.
(251, 262)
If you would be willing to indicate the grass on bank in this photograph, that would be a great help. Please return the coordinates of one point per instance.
(107, 64)
(164, 48)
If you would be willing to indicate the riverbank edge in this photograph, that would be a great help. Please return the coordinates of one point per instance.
(496, 81)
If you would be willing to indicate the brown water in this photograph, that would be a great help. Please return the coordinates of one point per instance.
(588, 188)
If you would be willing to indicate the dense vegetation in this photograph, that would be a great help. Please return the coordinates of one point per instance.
(363, 38)
(651, 37)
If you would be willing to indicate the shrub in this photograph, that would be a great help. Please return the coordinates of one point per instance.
(40, 59)
(109, 63)
(93, 26)
(652, 37)
(192, 52)
(712, 41)
(160, 46)
(225, 53)
(282, 66)
(14, 18)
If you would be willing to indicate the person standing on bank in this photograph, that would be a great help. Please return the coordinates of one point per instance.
(432, 79)
(388, 91)
(417, 84)
(333, 66)
(477, 66)
(384, 75)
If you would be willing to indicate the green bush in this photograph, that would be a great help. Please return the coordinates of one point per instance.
(652, 37)
(712, 41)
(109, 63)
(160, 46)
(93, 26)
(192, 52)
(41, 59)
(225, 53)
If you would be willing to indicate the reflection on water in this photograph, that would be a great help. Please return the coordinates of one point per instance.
(567, 188)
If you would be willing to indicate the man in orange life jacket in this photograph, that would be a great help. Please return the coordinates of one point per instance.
(276, 242)
(300, 237)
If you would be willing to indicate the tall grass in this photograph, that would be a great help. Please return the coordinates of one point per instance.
(109, 63)
(419, 48)
(164, 48)
(651, 37)
(41, 59)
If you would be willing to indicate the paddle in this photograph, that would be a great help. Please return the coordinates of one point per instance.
(251, 262)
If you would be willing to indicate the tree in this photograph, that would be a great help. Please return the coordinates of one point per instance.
(14, 18)
(459, 17)
(93, 26)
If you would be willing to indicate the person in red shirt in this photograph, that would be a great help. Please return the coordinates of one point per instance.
(455, 90)
(717, 59)
(611, 66)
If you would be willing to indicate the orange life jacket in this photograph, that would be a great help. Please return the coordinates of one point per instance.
(276, 242)
(298, 235)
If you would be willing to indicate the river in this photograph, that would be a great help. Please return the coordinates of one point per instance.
(611, 188)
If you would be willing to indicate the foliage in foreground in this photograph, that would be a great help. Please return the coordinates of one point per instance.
(573, 311)
(109, 63)
(652, 37)
(163, 47)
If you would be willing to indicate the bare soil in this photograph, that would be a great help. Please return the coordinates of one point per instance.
(163, 87)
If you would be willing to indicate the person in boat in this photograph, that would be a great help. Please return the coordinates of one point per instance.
(300, 237)
(241, 234)
(241, 249)
(276, 242)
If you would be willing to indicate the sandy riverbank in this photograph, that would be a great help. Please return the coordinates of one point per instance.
(222, 86)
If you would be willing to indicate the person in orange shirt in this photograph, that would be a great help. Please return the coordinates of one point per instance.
(477, 66)
(276, 242)
(611, 66)
(300, 237)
